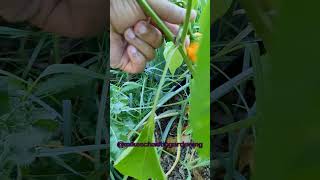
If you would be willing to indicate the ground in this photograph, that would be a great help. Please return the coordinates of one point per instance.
(233, 93)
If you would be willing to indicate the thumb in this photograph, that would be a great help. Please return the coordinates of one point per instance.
(170, 12)
(117, 47)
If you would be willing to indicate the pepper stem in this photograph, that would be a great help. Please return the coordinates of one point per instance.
(168, 34)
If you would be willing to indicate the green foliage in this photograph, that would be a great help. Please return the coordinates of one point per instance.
(284, 114)
(60, 83)
(141, 105)
(47, 124)
(200, 91)
(135, 160)
(32, 92)
(220, 7)
(21, 145)
(69, 68)
(288, 129)
(233, 51)
(141, 162)
(177, 59)
(119, 101)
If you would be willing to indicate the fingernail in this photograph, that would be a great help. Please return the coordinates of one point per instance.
(142, 29)
(130, 34)
(134, 51)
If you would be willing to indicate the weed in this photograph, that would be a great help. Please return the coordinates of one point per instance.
(53, 104)
(148, 106)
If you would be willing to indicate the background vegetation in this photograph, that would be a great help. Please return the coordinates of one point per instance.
(134, 109)
(234, 48)
(264, 94)
(52, 105)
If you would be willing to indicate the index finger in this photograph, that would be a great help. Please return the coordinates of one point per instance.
(170, 12)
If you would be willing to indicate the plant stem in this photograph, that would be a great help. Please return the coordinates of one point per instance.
(186, 60)
(186, 22)
(150, 12)
(168, 34)
(101, 118)
(179, 134)
(162, 81)
(235, 126)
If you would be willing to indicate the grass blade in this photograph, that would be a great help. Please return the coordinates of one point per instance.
(101, 117)
(70, 68)
(60, 162)
(67, 122)
(231, 84)
(34, 56)
(46, 152)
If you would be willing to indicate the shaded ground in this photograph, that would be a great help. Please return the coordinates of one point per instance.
(61, 110)
(234, 101)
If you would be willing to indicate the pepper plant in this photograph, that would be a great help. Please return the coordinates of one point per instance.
(144, 162)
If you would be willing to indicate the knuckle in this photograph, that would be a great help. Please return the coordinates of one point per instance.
(152, 55)
(181, 14)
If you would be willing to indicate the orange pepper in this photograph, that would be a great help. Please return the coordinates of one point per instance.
(192, 51)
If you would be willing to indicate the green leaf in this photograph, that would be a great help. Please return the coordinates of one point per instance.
(59, 83)
(67, 122)
(235, 126)
(115, 135)
(70, 69)
(119, 101)
(13, 76)
(22, 145)
(48, 152)
(220, 7)
(176, 59)
(61, 162)
(200, 91)
(34, 56)
(101, 117)
(128, 86)
(13, 32)
(141, 162)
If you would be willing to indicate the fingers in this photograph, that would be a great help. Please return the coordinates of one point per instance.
(174, 28)
(135, 61)
(130, 61)
(143, 39)
(117, 48)
(142, 46)
(137, 46)
(131, 51)
(170, 12)
(148, 33)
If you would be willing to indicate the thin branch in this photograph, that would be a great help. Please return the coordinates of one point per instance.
(168, 34)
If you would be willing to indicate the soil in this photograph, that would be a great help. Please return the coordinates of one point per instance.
(180, 171)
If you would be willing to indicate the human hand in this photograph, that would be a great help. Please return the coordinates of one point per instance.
(131, 51)
(131, 54)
